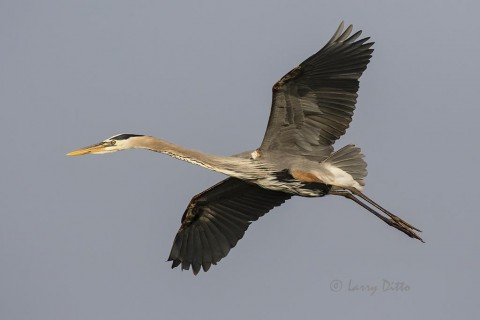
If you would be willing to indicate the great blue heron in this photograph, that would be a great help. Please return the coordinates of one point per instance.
(312, 106)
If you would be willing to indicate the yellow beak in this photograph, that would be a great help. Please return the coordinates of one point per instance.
(96, 148)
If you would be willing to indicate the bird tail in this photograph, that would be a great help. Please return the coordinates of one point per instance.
(350, 159)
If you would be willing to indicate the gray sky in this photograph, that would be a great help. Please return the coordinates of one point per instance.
(87, 237)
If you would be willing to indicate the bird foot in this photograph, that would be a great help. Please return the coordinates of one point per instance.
(405, 227)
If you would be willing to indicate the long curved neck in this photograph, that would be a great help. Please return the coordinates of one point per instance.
(232, 166)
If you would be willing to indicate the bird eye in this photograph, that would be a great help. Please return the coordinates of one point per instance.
(113, 142)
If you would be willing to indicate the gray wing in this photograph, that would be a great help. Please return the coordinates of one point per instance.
(313, 104)
(216, 219)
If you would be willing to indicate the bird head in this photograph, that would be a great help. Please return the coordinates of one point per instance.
(113, 144)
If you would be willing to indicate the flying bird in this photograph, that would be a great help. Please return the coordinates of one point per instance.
(312, 106)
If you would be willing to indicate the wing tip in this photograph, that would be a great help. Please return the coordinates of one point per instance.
(185, 265)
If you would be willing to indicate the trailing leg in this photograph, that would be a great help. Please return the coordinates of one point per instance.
(393, 220)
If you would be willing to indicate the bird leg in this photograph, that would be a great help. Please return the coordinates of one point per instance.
(388, 213)
(393, 221)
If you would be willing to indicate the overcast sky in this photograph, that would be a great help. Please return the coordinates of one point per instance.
(87, 237)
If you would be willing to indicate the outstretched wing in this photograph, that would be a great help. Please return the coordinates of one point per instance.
(216, 219)
(313, 104)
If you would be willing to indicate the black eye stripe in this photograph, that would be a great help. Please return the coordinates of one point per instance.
(125, 136)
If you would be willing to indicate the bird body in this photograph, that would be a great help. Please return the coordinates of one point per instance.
(270, 169)
(312, 106)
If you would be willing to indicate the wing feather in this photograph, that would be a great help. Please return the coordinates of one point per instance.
(313, 104)
(216, 219)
